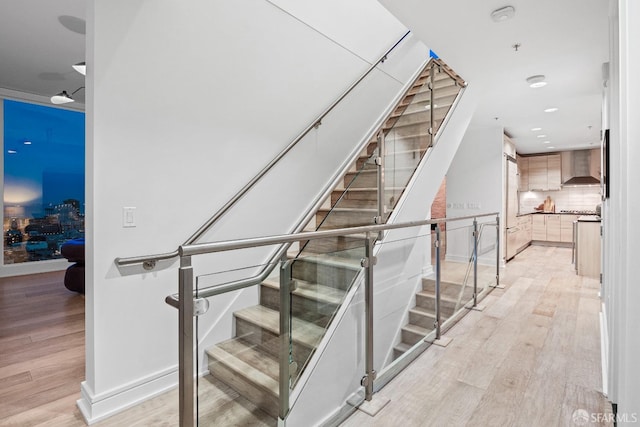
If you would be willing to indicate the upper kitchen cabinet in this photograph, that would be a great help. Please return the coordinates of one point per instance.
(544, 173)
(523, 173)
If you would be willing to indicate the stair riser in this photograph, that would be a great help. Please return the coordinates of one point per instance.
(303, 308)
(345, 219)
(410, 337)
(245, 387)
(451, 290)
(324, 274)
(398, 169)
(332, 245)
(429, 303)
(269, 342)
(421, 320)
(349, 202)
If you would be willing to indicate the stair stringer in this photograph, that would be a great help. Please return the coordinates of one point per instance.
(334, 377)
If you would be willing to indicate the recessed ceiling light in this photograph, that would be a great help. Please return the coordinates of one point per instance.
(551, 110)
(535, 129)
(549, 148)
(503, 14)
(546, 142)
(27, 143)
(542, 136)
(536, 81)
(12, 151)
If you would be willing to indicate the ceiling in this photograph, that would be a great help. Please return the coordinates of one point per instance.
(39, 42)
(566, 40)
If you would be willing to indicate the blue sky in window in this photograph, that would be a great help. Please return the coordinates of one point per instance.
(49, 168)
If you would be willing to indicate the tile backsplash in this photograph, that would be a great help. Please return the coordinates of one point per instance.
(569, 198)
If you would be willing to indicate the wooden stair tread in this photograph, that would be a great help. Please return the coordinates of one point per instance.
(423, 312)
(357, 210)
(416, 329)
(312, 291)
(443, 298)
(329, 260)
(236, 359)
(402, 347)
(304, 333)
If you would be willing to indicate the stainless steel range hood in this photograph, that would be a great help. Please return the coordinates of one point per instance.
(579, 168)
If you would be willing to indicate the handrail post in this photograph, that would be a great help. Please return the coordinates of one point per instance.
(286, 356)
(475, 262)
(438, 268)
(380, 163)
(186, 384)
(432, 128)
(497, 250)
(370, 374)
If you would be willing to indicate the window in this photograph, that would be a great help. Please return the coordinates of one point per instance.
(43, 180)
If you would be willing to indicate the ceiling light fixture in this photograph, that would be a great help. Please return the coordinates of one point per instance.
(27, 143)
(63, 97)
(535, 129)
(546, 142)
(503, 14)
(551, 110)
(80, 67)
(536, 81)
(12, 151)
(542, 136)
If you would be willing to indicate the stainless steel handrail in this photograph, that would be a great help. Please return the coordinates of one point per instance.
(149, 260)
(228, 245)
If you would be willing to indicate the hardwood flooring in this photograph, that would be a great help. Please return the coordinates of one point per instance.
(531, 358)
(41, 351)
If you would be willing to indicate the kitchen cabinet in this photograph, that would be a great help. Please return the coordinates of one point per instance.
(538, 227)
(588, 248)
(566, 227)
(543, 173)
(523, 173)
(538, 173)
(554, 177)
(595, 163)
(546, 227)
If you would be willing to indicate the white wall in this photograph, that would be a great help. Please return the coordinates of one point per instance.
(186, 102)
(475, 186)
(622, 231)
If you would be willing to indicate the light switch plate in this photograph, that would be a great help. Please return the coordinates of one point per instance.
(128, 217)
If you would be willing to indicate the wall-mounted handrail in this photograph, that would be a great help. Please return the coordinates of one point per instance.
(149, 260)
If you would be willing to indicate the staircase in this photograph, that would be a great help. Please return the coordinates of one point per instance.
(422, 317)
(324, 270)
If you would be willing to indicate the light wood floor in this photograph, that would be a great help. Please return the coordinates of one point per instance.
(41, 351)
(531, 358)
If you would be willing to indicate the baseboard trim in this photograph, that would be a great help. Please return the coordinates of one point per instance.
(97, 407)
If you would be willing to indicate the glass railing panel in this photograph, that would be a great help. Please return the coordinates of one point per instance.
(404, 306)
(322, 280)
(355, 202)
(408, 131)
(238, 348)
(488, 259)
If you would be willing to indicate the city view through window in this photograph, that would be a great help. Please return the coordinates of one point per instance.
(43, 200)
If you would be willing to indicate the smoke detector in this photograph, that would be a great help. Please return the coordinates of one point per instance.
(503, 14)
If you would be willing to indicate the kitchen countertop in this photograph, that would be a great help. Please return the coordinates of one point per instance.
(589, 218)
(552, 213)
